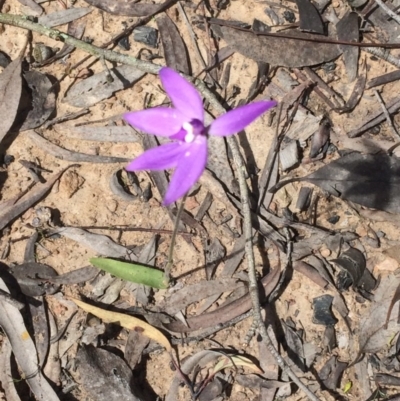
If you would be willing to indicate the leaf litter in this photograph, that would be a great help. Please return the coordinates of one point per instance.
(323, 225)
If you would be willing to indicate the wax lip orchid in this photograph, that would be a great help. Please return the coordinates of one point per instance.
(184, 125)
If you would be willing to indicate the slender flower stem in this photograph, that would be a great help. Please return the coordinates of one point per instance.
(151, 68)
(168, 267)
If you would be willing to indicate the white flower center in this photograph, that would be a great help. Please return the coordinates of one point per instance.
(190, 136)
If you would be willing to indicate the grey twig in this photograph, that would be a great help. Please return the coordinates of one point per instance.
(388, 11)
(386, 113)
(383, 54)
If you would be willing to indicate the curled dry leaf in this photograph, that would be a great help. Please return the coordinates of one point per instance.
(98, 87)
(104, 375)
(10, 94)
(375, 331)
(129, 322)
(24, 350)
(43, 99)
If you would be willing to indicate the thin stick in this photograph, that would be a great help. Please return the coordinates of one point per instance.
(383, 54)
(388, 11)
(386, 113)
(192, 35)
(167, 272)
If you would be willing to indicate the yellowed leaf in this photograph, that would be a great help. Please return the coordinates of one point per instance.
(348, 386)
(129, 322)
(234, 361)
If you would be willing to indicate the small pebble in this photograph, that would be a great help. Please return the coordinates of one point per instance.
(325, 252)
(289, 16)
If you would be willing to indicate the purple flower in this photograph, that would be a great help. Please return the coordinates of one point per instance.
(184, 124)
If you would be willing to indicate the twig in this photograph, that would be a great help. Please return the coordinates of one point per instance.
(145, 66)
(167, 272)
(383, 54)
(388, 11)
(386, 113)
(192, 35)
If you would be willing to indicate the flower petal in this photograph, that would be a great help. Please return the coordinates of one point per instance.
(183, 94)
(237, 119)
(189, 169)
(161, 121)
(160, 158)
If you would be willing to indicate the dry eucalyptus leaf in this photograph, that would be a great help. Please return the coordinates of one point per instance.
(36, 9)
(370, 180)
(24, 350)
(98, 87)
(63, 17)
(104, 375)
(26, 275)
(310, 19)
(102, 244)
(129, 8)
(43, 99)
(347, 31)
(175, 53)
(279, 51)
(375, 333)
(10, 94)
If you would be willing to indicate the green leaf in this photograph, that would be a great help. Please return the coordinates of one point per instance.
(131, 272)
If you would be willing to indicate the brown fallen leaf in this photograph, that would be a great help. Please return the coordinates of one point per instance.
(65, 154)
(175, 52)
(347, 31)
(129, 322)
(10, 94)
(279, 51)
(98, 87)
(376, 327)
(310, 19)
(43, 99)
